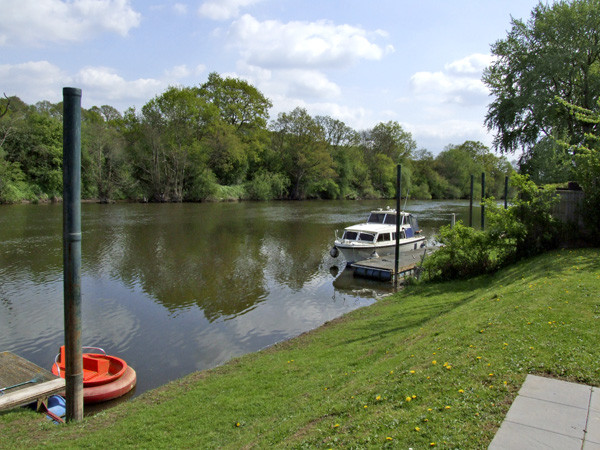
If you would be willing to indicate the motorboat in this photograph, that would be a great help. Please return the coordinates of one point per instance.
(377, 236)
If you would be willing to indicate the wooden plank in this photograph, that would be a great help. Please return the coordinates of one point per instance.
(37, 392)
(14, 370)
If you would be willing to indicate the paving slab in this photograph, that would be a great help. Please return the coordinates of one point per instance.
(556, 391)
(593, 427)
(549, 416)
(595, 402)
(516, 436)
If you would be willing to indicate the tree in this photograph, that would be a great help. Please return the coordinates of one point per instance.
(555, 53)
(105, 170)
(166, 142)
(300, 143)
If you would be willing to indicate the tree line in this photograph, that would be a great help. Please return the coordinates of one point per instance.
(216, 140)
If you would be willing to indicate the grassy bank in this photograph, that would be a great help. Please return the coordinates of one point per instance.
(435, 365)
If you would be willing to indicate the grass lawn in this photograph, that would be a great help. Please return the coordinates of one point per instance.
(435, 365)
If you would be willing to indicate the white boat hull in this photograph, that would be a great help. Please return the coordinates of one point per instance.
(355, 251)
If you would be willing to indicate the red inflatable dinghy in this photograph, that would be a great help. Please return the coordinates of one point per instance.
(105, 377)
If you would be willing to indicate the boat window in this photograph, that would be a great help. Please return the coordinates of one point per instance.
(383, 237)
(413, 222)
(350, 235)
(390, 219)
(376, 218)
(366, 237)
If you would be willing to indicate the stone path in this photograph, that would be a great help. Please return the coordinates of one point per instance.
(551, 414)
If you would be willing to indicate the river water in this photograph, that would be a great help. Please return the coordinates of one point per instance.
(175, 288)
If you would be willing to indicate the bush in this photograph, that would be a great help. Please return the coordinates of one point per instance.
(526, 228)
(267, 186)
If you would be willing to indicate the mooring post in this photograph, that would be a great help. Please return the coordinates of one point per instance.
(471, 202)
(506, 192)
(72, 251)
(482, 198)
(398, 219)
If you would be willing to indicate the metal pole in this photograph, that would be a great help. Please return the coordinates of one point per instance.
(398, 219)
(506, 192)
(482, 198)
(471, 202)
(72, 251)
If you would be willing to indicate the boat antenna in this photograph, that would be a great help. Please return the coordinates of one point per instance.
(406, 199)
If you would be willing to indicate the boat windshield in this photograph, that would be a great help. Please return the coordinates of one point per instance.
(381, 217)
(376, 218)
(357, 236)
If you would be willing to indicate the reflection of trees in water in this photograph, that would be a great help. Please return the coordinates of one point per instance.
(31, 241)
(295, 252)
(184, 257)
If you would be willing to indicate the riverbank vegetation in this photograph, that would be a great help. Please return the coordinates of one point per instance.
(215, 142)
(433, 365)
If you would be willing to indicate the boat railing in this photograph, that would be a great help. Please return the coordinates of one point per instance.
(58, 356)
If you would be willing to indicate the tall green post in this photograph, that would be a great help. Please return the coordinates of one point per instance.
(72, 251)
(398, 219)
(471, 202)
(482, 198)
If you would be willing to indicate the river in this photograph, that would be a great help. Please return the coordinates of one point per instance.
(175, 288)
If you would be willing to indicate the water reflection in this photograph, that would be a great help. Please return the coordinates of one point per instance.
(178, 288)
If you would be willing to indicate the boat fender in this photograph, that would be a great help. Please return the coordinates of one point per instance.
(334, 252)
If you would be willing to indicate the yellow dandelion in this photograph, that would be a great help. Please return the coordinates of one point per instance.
(412, 371)
(491, 374)
(414, 396)
(378, 397)
(366, 406)
(391, 372)
(432, 444)
(237, 424)
(479, 357)
(461, 391)
(336, 425)
(417, 429)
(408, 399)
(448, 367)
(429, 409)
(388, 438)
(434, 362)
(447, 407)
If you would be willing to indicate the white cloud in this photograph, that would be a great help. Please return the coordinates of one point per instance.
(460, 83)
(178, 72)
(223, 9)
(37, 22)
(33, 81)
(274, 44)
(103, 85)
(180, 8)
(471, 65)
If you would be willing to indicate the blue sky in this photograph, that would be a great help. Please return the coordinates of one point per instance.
(415, 62)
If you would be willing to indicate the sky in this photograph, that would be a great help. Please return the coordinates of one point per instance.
(418, 63)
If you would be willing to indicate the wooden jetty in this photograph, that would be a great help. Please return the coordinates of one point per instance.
(382, 268)
(39, 383)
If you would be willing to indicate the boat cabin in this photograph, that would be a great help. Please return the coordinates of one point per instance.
(408, 225)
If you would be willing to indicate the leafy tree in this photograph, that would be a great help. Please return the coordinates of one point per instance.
(301, 145)
(587, 158)
(105, 169)
(167, 144)
(547, 162)
(555, 53)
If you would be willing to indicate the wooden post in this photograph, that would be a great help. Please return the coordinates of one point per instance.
(72, 251)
